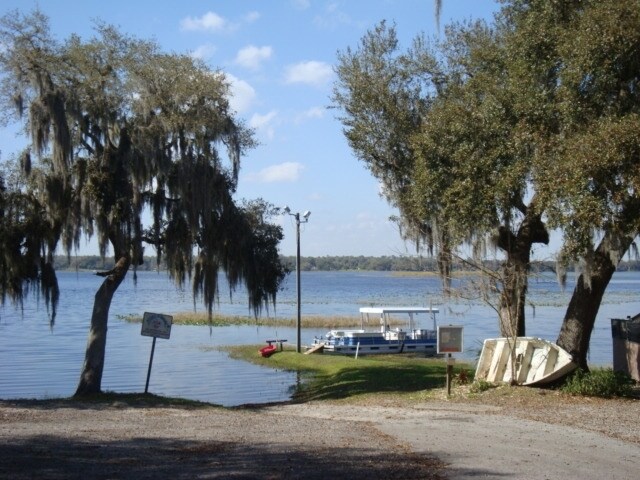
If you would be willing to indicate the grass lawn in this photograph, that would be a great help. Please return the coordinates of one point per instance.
(334, 377)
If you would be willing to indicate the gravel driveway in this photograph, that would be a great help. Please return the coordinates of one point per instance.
(483, 442)
(543, 438)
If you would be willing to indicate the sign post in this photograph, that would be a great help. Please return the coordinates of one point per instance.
(155, 325)
(450, 340)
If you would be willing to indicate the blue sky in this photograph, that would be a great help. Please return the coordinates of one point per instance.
(279, 55)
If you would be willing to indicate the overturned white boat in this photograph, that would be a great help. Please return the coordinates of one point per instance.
(523, 361)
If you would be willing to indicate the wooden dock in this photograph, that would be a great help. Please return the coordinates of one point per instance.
(315, 349)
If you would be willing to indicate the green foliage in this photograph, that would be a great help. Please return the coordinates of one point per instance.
(383, 94)
(479, 386)
(584, 58)
(24, 233)
(599, 382)
(119, 128)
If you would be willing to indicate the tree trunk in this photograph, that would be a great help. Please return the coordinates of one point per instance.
(513, 296)
(580, 317)
(515, 270)
(91, 376)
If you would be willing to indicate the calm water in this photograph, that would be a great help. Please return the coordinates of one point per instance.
(39, 362)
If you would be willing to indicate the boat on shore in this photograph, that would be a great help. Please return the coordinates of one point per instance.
(268, 350)
(385, 339)
(523, 361)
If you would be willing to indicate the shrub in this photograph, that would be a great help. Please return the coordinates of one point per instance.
(461, 378)
(601, 382)
(480, 386)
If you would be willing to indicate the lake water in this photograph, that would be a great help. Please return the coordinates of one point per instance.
(39, 362)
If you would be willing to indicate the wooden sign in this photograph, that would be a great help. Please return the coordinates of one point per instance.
(450, 339)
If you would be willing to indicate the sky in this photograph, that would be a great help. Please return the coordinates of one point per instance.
(280, 57)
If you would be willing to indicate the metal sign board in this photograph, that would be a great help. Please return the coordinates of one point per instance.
(450, 339)
(156, 325)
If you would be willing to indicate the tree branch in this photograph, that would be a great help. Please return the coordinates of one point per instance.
(105, 274)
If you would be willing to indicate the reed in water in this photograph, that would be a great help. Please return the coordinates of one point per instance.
(307, 321)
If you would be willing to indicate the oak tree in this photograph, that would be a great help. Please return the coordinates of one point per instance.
(138, 148)
(579, 62)
(436, 126)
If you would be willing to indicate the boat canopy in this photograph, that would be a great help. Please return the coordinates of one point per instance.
(385, 310)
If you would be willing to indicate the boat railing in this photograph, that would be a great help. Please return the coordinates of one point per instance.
(421, 333)
(395, 335)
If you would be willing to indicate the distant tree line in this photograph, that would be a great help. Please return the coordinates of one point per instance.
(391, 263)
(94, 262)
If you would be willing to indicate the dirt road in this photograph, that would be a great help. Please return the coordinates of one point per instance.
(435, 439)
(482, 442)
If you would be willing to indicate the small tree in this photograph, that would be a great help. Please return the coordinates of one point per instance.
(121, 131)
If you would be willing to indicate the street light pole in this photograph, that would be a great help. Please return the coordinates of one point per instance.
(305, 215)
(298, 322)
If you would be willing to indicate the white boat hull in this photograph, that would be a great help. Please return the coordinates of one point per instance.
(385, 340)
(360, 342)
(523, 361)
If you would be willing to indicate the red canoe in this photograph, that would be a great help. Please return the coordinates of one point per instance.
(268, 350)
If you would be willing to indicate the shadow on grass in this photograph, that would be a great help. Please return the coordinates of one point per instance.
(332, 377)
(372, 379)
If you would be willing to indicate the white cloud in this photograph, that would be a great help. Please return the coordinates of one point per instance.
(301, 4)
(284, 172)
(259, 121)
(204, 52)
(365, 220)
(314, 112)
(242, 94)
(311, 73)
(209, 22)
(332, 17)
(251, 56)
(264, 123)
(252, 16)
